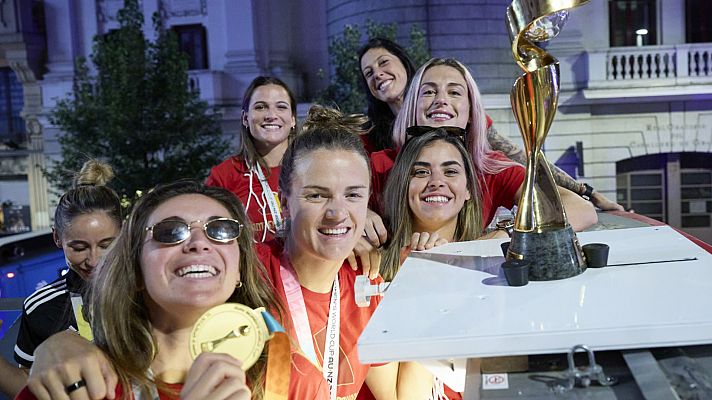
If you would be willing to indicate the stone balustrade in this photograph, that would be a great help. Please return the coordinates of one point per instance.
(683, 64)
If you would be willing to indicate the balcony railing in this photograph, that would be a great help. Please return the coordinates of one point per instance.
(619, 67)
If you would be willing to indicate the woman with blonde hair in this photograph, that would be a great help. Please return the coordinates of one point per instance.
(443, 93)
(86, 221)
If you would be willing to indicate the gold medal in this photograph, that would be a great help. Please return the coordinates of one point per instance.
(231, 328)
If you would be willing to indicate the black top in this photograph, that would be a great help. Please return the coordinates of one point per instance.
(46, 312)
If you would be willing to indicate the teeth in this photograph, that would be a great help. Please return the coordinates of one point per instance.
(334, 231)
(440, 116)
(271, 126)
(197, 271)
(436, 199)
(384, 84)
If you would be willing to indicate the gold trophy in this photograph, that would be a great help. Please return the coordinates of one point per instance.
(541, 235)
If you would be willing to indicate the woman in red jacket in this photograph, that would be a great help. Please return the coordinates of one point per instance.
(268, 121)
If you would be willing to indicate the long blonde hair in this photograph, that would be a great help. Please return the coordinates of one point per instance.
(476, 141)
(119, 317)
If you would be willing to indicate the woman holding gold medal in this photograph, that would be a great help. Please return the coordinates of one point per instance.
(325, 183)
(183, 251)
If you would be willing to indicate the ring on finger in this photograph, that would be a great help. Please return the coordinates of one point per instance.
(75, 386)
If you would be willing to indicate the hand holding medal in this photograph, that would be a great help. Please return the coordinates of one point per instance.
(242, 332)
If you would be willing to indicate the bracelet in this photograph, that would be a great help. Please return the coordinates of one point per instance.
(588, 192)
(506, 225)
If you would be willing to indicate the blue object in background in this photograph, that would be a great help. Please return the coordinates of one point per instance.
(8, 317)
(28, 261)
(569, 162)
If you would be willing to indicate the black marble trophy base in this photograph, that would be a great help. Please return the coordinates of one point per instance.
(552, 255)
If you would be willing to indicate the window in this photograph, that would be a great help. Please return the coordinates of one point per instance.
(12, 126)
(632, 22)
(643, 192)
(697, 21)
(696, 197)
(675, 188)
(192, 41)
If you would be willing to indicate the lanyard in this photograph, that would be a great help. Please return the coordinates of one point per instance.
(300, 319)
(83, 326)
(271, 200)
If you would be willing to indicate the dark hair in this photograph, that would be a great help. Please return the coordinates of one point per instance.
(246, 148)
(119, 317)
(89, 194)
(379, 113)
(324, 128)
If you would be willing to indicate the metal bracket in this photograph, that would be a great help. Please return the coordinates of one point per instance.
(363, 290)
(583, 376)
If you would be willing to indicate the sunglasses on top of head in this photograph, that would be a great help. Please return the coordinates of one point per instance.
(173, 231)
(420, 130)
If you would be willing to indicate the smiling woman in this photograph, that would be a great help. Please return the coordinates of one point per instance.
(434, 175)
(86, 221)
(444, 93)
(268, 122)
(385, 71)
(182, 251)
(325, 183)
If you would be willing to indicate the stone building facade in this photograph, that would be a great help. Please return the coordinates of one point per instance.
(635, 112)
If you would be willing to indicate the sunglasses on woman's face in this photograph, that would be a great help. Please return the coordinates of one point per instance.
(172, 231)
(420, 130)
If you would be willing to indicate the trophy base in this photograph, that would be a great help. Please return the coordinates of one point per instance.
(552, 255)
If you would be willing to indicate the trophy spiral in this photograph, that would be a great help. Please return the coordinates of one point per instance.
(542, 235)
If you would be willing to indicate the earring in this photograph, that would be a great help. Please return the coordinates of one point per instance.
(239, 284)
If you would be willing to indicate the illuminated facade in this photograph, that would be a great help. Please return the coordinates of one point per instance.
(635, 108)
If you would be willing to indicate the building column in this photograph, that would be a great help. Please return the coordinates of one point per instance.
(672, 25)
(32, 97)
(241, 58)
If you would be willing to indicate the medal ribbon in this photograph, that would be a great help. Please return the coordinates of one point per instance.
(279, 361)
(300, 319)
